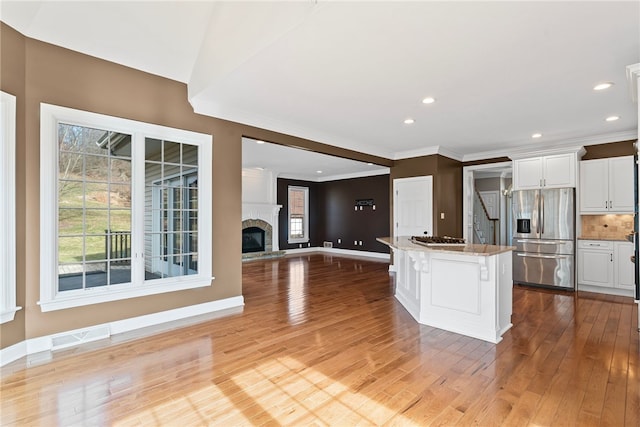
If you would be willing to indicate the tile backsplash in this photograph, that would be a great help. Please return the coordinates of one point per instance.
(606, 226)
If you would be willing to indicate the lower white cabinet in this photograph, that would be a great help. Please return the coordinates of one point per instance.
(624, 268)
(605, 264)
(595, 263)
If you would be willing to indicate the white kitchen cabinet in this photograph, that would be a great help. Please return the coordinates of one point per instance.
(604, 266)
(624, 268)
(554, 171)
(606, 185)
(595, 263)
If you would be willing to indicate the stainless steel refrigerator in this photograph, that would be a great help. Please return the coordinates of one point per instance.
(544, 237)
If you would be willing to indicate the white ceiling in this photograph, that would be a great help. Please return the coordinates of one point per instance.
(349, 73)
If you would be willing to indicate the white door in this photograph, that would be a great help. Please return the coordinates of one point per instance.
(413, 206)
(491, 200)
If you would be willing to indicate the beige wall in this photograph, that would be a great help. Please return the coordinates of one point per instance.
(38, 72)
(12, 80)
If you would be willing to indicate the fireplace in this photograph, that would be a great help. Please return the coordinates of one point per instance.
(253, 240)
(257, 236)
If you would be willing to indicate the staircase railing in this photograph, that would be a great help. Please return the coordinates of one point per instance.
(484, 228)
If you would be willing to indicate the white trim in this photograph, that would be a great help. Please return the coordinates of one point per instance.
(526, 150)
(468, 187)
(50, 297)
(45, 343)
(305, 223)
(81, 297)
(428, 151)
(328, 178)
(607, 291)
(8, 255)
(338, 251)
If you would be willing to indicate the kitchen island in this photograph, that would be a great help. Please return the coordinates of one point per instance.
(466, 289)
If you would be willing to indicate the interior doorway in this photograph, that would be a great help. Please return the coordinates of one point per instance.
(488, 185)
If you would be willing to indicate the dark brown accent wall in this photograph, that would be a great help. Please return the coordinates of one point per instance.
(612, 149)
(447, 190)
(332, 215)
(339, 219)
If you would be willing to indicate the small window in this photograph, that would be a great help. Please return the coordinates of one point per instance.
(298, 214)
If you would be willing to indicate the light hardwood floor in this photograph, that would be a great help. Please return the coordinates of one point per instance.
(322, 341)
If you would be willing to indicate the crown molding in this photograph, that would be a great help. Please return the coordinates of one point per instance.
(327, 178)
(552, 145)
(427, 151)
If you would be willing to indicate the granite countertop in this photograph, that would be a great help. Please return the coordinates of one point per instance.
(608, 239)
(404, 243)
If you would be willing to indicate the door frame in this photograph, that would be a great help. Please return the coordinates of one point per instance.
(468, 188)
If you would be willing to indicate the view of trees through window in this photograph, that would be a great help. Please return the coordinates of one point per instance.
(94, 207)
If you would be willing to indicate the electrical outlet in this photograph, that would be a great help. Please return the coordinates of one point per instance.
(355, 243)
(360, 242)
(300, 245)
(339, 241)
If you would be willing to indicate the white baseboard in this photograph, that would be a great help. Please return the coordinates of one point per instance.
(338, 251)
(46, 343)
(608, 291)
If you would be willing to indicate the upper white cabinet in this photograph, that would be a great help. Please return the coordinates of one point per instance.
(554, 171)
(606, 185)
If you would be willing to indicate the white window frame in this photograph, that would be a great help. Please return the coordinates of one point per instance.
(52, 299)
(8, 252)
(305, 223)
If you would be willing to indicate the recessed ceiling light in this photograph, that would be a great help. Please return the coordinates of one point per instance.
(536, 135)
(612, 118)
(603, 86)
(259, 142)
(369, 164)
(428, 100)
(318, 171)
(409, 121)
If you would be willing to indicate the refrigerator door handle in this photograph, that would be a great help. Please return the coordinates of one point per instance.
(536, 211)
(529, 255)
(542, 242)
(542, 212)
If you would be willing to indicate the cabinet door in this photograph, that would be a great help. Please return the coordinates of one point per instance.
(621, 184)
(625, 277)
(527, 173)
(594, 178)
(559, 171)
(595, 267)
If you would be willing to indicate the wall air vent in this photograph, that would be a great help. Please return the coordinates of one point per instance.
(80, 336)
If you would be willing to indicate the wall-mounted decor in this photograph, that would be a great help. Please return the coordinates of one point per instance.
(362, 203)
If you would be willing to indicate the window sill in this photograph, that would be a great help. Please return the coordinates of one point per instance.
(303, 240)
(9, 314)
(70, 299)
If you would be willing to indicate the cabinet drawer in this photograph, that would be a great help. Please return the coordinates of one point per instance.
(595, 244)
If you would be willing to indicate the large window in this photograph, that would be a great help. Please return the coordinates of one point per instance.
(121, 212)
(8, 306)
(298, 214)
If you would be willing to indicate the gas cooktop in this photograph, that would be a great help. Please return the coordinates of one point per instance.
(437, 241)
